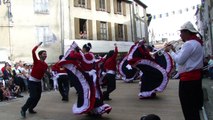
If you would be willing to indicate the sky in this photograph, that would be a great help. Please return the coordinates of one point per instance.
(167, 27)
(158, 6)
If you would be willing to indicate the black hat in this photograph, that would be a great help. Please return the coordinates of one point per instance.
(150, 117)
(61, 56)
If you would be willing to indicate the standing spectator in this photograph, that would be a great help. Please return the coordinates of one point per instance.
(190, 63)
(5, 65)
(34, 83)
(7, 74)
(63, 80)
(18, 77)
(1, 77)
(25, 74)
(210, 64)
(110, 68)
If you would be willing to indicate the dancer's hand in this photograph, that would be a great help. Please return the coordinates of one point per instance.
(39, 44)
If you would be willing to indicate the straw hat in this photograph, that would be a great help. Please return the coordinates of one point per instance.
(188, 26)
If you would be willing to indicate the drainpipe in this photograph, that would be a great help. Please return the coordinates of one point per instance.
(134, 24)
(62, 25)
(131, 17)
(70, 32)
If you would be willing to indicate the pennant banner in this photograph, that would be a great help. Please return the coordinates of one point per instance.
(180, 11)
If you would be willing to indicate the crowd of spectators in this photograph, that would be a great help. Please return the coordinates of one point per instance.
(14, 80)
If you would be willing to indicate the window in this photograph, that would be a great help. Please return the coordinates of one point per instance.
(45, 35)
(119, 7)
(102, 5)
(83, 28)
(136, 9)
(81, 3)
(103, 30)
(120, 32)
(41, 6)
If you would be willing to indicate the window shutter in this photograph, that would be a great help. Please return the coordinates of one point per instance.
(90, 33)
(115, 6)
(89, 4)
(108, 6)
(116, 31)
(97, 4)
(75, 3)
(77, 30)
(124, 8)
(109, 31)
(98, 30)
(125, 33)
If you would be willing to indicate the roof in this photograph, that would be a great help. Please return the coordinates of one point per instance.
(141, 3)
(137, 1)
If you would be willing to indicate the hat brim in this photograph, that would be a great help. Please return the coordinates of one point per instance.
(193, 31)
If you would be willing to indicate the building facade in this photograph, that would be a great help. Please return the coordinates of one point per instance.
(204, 21)
(57, 23)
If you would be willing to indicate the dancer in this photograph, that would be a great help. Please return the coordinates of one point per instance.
(127, 72)
(80, 64)
(34, 83)
(63, 80)
(154, 78)
(110, 68)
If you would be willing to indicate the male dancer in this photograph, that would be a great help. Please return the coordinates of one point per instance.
(34, 84)
(110, 67)
(63, 80)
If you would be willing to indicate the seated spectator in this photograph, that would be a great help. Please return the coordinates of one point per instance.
(150, 117)
(14, 89)
(1, 93)
(6, 93)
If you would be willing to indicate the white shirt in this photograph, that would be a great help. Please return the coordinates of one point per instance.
(210, 62)
(190, 57)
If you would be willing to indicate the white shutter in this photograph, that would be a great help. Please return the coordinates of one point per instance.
(39, 34)
(46, 5)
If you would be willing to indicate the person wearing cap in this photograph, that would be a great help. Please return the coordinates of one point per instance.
(190, 63)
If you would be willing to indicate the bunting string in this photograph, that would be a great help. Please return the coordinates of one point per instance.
(176, 12)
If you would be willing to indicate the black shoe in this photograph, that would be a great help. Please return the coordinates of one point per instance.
(65, 99)
(32, 112)
(19, 96)
(107, 99)
(23, 113)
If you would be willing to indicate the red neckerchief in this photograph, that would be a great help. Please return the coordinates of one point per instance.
(194, 37)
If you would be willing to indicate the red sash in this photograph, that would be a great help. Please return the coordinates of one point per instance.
(191, 75)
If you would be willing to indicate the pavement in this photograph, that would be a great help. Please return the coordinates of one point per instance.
(208, 97)
(125, 105)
